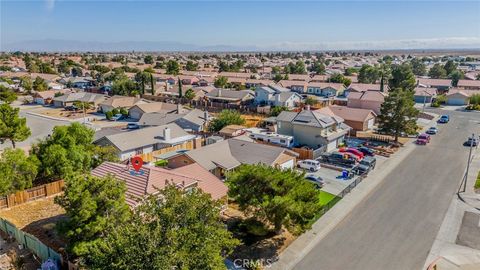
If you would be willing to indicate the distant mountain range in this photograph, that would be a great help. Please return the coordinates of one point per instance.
(59, 45)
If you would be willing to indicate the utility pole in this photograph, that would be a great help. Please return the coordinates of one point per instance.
(468, 164)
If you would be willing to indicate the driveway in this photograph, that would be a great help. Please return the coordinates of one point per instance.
(395, 226)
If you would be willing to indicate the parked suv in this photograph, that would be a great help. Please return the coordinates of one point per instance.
(340, 159)
(309, 164)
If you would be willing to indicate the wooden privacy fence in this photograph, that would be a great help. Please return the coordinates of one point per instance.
(31, 194)
(306, 153)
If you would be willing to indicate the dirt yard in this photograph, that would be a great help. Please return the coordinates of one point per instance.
(37, 218)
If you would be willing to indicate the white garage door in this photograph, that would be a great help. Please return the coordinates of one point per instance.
(331, 146)
(370, 123)
(287, 165)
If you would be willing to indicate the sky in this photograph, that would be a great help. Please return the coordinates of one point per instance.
(245, 24)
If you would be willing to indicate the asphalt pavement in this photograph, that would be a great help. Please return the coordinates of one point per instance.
(396, 225)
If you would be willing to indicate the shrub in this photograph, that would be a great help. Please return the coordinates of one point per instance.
(254, 227)
(161, 163)
(109, 115)
(477, 183)
(115, 111)
(124, 112)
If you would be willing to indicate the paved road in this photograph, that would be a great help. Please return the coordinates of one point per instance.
(39, 126)
(395, 226)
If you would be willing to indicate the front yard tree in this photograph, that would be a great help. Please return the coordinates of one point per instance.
(456, 75)
(148, 59)
(7, 95)
(94, 206)
(398, 114)
(437, 72)
(175, 230)
(402, 77)
(190, 94)
(225, 118)
(450, 66)
(274, 196)
(221, 82)
(69, 149)
(173, 67)
(368, 74)
(17, 171)
(12, 127)
(40, 84)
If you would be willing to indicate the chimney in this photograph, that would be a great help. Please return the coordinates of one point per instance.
(307, 107)
(166, 134)
(179, 108)
(219, 93)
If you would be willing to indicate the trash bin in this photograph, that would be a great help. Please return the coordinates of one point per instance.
(345, 174)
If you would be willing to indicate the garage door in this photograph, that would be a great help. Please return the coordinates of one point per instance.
(332, 146)
(456, 101)
(135, 114)
(287, 165)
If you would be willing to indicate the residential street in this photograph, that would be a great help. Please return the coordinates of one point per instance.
(395, 226)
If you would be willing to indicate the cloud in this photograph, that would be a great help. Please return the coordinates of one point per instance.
(50, 4)
(430, 43)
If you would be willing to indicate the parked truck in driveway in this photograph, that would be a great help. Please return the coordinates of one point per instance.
(339, 159)
(365, 166)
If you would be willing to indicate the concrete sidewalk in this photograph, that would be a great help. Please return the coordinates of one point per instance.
(307, 241)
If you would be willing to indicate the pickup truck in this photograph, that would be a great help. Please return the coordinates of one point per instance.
(365, 166)
(339, 159)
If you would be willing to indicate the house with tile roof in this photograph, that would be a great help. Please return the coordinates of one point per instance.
(116, 102)
(357, 119)
(148, 180)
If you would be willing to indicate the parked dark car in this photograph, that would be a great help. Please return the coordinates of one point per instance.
(366, 151)
(471, 142)
(339, 159)
(71, 108)
(444, 119)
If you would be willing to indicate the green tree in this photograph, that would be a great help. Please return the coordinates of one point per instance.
(311, 101)
(174, 230)
(124, 87)
(173, 67)
(40, 84)
(67, 150)
(368, 74)
(94, 207)
(398, 114)
(437, 72)
(318, 67)
(456, 75)
(191, 66)
(77, 71)
(7, 95)
(276, 110)
(274, 196)
(340, 78)
(148, 59)
(26, 83)
(12, 127)
(418, 67)
(101, 154)
(152, 84)
(450, 66)
(220, 82)
(180, 88)
(402, 77)
(225, 118)
(17, 171)
(190, 94)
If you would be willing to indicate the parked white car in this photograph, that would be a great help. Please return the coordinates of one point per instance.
(309, 164)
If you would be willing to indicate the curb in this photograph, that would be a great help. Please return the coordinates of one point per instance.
(299, 248)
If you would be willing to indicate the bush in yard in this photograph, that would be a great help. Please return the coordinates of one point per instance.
(161, 163)
(477, 182)
(115, 111)
(109, 115)
(124, 112)
(274, 196)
